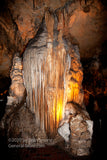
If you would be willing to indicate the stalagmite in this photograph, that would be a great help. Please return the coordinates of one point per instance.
(17, 89)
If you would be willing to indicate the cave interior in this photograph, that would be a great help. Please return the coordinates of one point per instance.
(53, 79)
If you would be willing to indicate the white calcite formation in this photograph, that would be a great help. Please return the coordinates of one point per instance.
(64, 131)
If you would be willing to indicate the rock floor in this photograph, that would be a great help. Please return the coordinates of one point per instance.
(47, 153)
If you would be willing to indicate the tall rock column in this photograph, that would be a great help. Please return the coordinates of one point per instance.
(53, 80)
(17, 90)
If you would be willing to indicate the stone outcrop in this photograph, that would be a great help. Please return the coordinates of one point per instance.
(21, 125)
(81, 134)
(77, 129)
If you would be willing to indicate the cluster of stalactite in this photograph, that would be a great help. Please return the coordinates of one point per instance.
(52, 75)
(53, 78)
(20, 21)
(53, 81)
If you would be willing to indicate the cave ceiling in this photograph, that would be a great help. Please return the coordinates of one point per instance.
(84, 20)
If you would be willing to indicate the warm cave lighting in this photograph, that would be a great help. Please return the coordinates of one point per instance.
(59, 111)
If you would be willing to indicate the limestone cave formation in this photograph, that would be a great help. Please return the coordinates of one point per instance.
(53, 79)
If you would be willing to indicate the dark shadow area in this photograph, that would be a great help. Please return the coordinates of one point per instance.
(99, 117)
(4, 92)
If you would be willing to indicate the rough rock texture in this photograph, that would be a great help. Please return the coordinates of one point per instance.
(20, 20)
(22, 125)
(77, 129)
(81, 134)
(18, 120)
(17, 89)
(19, 123)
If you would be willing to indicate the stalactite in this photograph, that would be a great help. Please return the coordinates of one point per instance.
(54, 79)
(49, 67)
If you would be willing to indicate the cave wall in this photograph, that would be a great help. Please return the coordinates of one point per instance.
(20, 20)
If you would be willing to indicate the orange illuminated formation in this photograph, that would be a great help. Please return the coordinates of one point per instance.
(52, 77)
